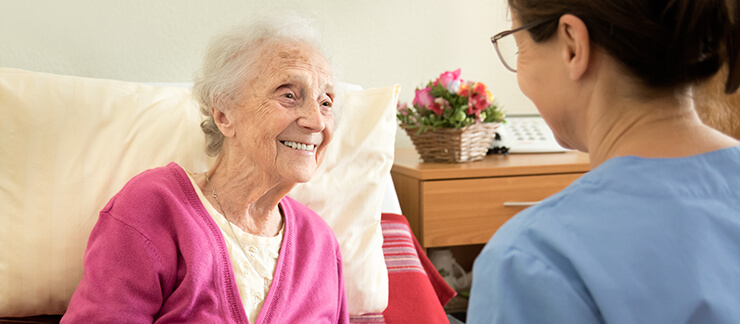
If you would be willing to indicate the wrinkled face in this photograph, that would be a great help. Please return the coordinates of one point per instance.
(286, 121)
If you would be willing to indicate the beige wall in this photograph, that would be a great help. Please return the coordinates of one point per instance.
(373, 43)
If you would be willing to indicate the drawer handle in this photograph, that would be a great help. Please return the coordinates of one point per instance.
(520, 203)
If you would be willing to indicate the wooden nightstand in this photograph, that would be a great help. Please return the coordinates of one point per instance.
(464, 204)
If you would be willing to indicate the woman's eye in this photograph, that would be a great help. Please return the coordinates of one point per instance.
(327, 106)
(289, 96)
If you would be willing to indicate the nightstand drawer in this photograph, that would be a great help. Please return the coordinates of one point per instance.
(469, 211)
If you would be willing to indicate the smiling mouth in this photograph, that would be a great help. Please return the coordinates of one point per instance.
(299, 146)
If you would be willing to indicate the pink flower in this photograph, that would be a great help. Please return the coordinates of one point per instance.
(448, 79)
(461, 103)
(423, 98)
(403, 108)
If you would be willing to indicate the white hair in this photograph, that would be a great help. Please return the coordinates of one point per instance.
(226, 65)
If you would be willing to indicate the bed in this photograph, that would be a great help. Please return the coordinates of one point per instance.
(69, 143)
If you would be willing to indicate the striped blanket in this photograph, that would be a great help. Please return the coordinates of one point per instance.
(417, 292)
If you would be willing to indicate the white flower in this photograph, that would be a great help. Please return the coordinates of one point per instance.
(454, 86)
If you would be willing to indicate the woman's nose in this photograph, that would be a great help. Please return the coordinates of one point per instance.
(311, 117)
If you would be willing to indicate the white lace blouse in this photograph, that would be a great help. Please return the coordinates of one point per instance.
(253, 267)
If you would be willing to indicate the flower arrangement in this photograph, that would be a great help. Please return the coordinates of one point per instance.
(449, 102)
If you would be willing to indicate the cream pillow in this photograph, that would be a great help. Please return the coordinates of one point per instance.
(348, 189)
(69, 143)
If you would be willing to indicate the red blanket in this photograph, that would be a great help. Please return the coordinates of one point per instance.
(417, 292)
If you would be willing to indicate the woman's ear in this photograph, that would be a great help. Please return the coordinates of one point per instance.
(576, 45)
(223, 122)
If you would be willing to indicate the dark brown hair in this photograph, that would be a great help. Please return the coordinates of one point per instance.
(666, 43)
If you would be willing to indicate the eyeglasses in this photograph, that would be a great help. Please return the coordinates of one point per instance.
(506, 47)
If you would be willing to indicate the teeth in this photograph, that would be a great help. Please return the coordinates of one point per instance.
(299, 146)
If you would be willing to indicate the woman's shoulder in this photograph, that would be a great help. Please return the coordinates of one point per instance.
(160, 178)
(150, 191)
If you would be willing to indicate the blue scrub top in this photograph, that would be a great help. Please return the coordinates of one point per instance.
(635, 240)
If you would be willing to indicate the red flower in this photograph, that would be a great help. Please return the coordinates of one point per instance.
(479, 88)
(481, 103)
(440, 105)
(436, 108)
(464, 89)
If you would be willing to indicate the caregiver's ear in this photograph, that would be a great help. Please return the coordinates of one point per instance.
(575, 45)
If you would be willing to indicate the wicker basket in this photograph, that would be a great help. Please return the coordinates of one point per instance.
(450, 145)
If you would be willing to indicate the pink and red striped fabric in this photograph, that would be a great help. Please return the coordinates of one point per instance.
(417, 293)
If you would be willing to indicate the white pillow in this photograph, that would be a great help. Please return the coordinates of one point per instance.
(348, 190)
(68, 144)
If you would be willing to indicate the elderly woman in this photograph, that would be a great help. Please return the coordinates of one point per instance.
(227, 245)
(652, 233)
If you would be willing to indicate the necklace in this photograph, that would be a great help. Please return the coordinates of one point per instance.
(223, 213)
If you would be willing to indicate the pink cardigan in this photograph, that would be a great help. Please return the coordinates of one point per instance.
(156, 255)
